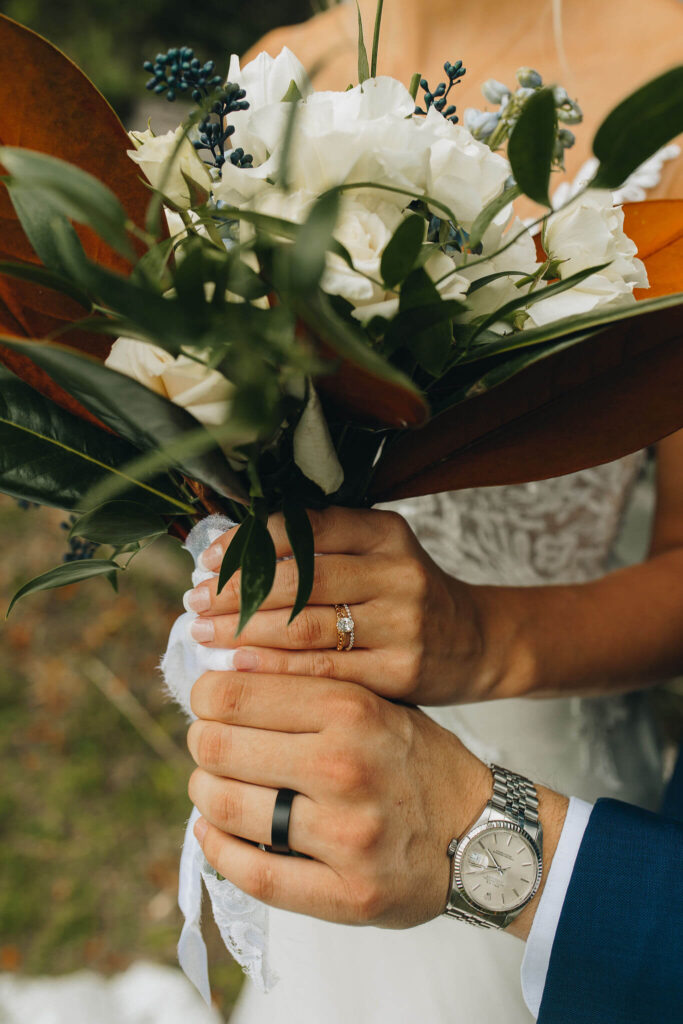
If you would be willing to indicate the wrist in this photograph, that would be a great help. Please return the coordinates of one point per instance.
(552, 811)
(506, 665)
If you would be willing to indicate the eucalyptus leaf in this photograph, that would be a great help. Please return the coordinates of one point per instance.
(118, 523)
(490, 212)
(402, 251)
(538, 295)
(531, 145)
(72, 191)
(363, 64)
(38, 218)
(430, 341)
(375, 38)
(638, 127)
(300, 534)
(44, 278)
(306, 262)
(63, 575)
(49, 456)
(131, 410)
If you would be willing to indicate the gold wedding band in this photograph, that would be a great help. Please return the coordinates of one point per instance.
(346, 628)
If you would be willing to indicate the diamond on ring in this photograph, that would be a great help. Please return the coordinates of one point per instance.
(346, 628)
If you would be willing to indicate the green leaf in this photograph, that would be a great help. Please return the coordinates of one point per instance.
(258, 571)
(118, 523)
(490, 211)
(72, 191)
(134, 412)
(481, 282)
(363, 65)
(531, 145)
(432, 338)
(402, 251)
(639, 126)
(232, 559)
(63, 575)
(300, 534)
(529, 298)
(306, 261)
(49, 456)
(38, 217)
(44, 279)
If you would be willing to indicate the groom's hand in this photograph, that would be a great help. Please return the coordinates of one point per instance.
(381, 791)
(420, 635)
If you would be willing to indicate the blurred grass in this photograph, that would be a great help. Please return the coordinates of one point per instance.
(91, 816)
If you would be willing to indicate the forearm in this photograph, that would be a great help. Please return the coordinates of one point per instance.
(618, 632)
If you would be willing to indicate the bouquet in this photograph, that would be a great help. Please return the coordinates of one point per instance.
(300, 299)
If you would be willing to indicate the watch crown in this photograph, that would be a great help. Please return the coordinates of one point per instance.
(452, 847)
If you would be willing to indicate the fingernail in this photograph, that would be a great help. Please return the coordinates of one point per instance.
(197, 600)
(244, 660)
(211, 558)
(203, 630)
(200, 827)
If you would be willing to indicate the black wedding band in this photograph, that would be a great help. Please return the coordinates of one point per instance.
(282, 812)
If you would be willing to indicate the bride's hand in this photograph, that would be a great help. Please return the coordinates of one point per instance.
(418, 631)
(381, 790)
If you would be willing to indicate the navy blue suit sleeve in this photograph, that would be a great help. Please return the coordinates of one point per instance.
(617, 957)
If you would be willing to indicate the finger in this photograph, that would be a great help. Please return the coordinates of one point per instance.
(336, 578)
(335, 531)
(315, 628)
(258, 756)
(247, 811)
(291, 883)
(385, 672)
(286, 704)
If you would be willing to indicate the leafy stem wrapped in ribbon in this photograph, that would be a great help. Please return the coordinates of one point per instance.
(301, 281)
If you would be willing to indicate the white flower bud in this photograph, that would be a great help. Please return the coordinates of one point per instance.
(529, 79)
(494, 91)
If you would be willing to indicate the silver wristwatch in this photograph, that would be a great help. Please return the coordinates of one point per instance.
(498, 863)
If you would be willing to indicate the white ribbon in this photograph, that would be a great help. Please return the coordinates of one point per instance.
(242, 920)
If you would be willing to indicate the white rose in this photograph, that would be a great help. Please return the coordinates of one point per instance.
(153, 153)
(314, 452)
(365, 228)
(520, 258)
(204, 392)
(589, 232)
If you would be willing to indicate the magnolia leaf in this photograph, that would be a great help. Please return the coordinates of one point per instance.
(49, 456)
(638, 127)
(581, 400)
(403, 250)
(656, 226)
(63, 575)
(118, 523)
(142, 417)
(300, 534)
(530, 149)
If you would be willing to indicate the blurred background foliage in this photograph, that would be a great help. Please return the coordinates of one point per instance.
(109, 39)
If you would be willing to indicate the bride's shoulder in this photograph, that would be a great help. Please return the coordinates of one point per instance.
(320, 41)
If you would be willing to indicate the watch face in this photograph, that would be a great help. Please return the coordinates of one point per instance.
(498, 868)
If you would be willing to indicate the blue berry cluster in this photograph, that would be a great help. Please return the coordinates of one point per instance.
(213, 134)
(439, 97)
(79, 548)
(178, 72)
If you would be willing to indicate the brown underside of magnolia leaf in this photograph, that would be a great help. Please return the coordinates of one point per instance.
(600, 400)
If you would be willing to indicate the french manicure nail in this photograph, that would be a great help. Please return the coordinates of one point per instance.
(197, 600)
(203, 630)
(200, 827)
(244, 660)
(211, 558)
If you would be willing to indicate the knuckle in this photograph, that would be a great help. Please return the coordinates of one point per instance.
(231, 591)
(346, 771)
(354, 707)
(322, 665)
(260, 881)
(369, 902)
(212, 746)
(232, 694)
(305, 630)
(392, 525)
(229, 808)
(366, 831)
